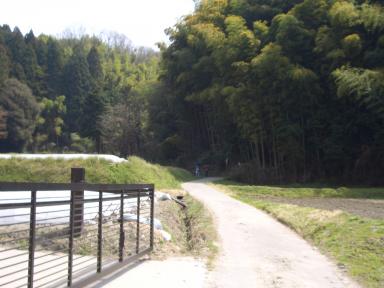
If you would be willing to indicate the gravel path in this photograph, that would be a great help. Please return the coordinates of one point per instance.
(258, 251)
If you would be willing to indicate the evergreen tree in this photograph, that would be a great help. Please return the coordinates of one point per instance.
(4, 64)
(94, 64)
(3, 124)
(77, 82)
(55, 66)
(22, 111)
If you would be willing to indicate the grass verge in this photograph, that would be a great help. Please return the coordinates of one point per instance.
(298, 191)
(135, 170)
(355, 243)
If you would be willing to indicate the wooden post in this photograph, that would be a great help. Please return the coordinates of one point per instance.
(78, 176)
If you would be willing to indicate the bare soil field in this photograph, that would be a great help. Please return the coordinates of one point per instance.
(363, 207)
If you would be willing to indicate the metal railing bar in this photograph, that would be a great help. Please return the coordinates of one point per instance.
(111, 233)
(16, 199)
(86, 267)
(13, 215)
(54, 218)
(48, 247)
(49, 275)
(14, 264)
(152, 196)
(23, 285)
(49, 254)
(52, 260)
(56, 203)
(17, 223)
(13, 272)
(138, 224)
(99, 234)
(87, 239)
(94, 212)
(14, 256)
(82, 256)
(109, 188)
(92, 236)
(82, 262)
(13, 248)
(51, 281)
(70, 244)
(110, 236)
(37, 239)
(88, 213)
(49, 268)
(81, 220)
(88, 231)
(52, 238)
(25, 230)
(14, 280)
(13, 240)
(53, 211)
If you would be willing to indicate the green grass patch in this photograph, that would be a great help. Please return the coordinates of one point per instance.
(354, 242)
(299, 191)
(135, 170)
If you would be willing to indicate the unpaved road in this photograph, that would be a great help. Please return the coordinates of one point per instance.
(257, 251)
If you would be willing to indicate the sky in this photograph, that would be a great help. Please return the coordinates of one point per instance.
(142, 21)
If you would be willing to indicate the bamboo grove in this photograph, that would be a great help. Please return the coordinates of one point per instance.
(281, 90)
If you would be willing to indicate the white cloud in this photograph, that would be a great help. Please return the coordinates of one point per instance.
(143, 21)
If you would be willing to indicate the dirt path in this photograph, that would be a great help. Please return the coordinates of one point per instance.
(258, 251)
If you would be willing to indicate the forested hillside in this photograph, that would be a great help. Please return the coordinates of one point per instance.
(273, 90)
(293, 90)
(75, 93)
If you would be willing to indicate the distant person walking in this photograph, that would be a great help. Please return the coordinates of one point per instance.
(197, 170)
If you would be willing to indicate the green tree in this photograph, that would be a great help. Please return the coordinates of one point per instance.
(22, 112)
(50, 121)
(3, 124)
(95, 65)
(77, 81)
(4, 64)
(55, 66)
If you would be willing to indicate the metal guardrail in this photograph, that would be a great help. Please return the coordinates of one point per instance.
(55, 235)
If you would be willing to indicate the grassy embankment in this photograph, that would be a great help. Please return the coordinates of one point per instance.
(354, 242)
(135, 170)
(192, 229)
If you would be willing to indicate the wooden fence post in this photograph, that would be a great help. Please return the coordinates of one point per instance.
(78, 176)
